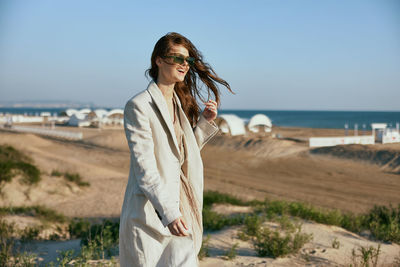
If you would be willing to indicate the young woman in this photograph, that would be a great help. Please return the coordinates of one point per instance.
(161, 218)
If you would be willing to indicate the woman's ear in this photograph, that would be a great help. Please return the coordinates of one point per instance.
(158, 61)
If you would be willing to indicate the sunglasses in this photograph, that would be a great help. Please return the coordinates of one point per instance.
(180, 59)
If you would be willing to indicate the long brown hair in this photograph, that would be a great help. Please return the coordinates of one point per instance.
(189, 89)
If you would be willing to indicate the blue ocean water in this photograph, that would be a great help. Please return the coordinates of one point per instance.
(322, 119)
(290, 118)
(31, 111)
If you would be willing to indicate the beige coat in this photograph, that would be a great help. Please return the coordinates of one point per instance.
(154, 181)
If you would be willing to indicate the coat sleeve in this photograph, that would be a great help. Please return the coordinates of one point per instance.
(204, 131)
(140, 140)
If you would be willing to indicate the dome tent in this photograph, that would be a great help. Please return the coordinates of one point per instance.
(232, 124)
(259, 121)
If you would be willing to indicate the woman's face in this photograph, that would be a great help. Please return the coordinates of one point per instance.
(168, 70)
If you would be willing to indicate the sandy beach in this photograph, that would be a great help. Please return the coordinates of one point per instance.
(350, 178)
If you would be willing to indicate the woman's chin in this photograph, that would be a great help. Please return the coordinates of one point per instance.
(180, 79)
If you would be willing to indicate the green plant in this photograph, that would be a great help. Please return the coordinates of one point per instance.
(384, 223)
(101, 239)
(252, 225)
(56, 173)
(24, 259)
(75, 178)
(211, 197)
(216, 221)
(13, 163)
(65, 257)
(29, 233)
(277, 243)
(367, 255)
(335, 243)
(78, 228)
(41, 212)
(204, 250)
(9, 251)
(7, 241)
(231, 254)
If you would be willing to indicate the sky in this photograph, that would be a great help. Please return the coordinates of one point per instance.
(276, 55)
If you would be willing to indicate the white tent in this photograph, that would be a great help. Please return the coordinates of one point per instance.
(115, 116)
(96, 117)
(79, 119)
(97, 114)
(115, 111)
(258, 121)
(85, 111)
(232, 124)
(71, 112)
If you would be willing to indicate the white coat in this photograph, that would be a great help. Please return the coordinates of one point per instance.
(154, 182)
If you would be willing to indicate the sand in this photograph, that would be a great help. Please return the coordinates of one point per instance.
(250, 167)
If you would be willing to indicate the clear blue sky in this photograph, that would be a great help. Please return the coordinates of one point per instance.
(296, 55)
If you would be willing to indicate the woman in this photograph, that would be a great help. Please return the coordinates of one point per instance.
(161, 219)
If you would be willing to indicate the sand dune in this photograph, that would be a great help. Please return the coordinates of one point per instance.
(249, 167)
(387, 157)
(287, 170)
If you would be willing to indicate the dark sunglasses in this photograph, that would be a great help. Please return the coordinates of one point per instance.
(181, 59)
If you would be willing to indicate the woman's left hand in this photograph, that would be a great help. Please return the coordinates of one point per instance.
(210, 112)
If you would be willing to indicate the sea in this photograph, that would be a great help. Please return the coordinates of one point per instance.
(287, 118)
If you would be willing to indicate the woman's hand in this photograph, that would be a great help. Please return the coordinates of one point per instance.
(178, 226)
(210, 112)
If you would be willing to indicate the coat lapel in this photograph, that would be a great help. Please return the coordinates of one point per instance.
(161, 104)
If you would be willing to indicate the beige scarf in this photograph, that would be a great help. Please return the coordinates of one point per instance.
(189, 205)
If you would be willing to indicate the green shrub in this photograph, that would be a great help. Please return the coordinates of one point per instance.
(56, 173)
(273, 243)
(252, 224)
(103, 236)
(384, 223)
(335, 243)
(204, 250)
(7, 240)
(40, 212)
(216, 221)
(70, 177)
(13, 163)
(65, 257)
(211, 197)
(75, 178)
(367, 256)
(24, 259)
(78, 228)
(30, 233)
(231, 254)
